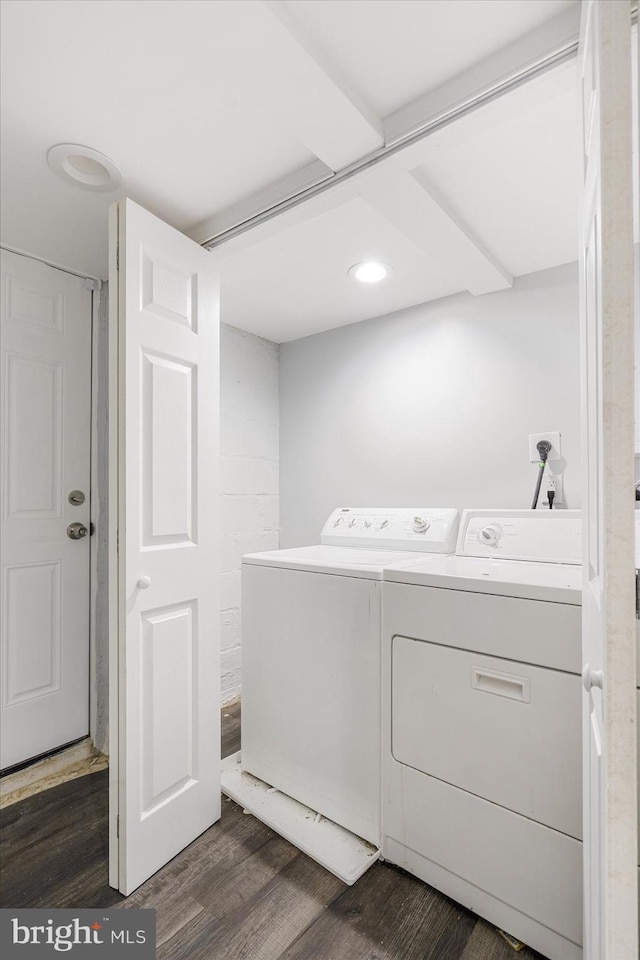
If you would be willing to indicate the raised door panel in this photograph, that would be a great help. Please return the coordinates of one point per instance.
(33, 437)
(170, 451)
(169, 291)
(32, 303)
(32, 652)
(169, 703)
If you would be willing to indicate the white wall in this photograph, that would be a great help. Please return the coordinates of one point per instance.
(431, 406)
(249, 475)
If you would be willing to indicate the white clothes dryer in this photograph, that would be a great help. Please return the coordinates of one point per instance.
(482, 757)
(311, 633)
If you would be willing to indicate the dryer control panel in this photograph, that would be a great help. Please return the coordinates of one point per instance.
(419, 529)
(551, 536)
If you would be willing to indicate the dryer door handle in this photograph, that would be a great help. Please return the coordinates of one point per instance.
(501, 684)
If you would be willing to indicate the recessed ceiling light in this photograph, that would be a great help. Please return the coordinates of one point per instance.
(370, 272)
(84, 166)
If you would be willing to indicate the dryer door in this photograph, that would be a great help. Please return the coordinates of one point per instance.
(505, 731)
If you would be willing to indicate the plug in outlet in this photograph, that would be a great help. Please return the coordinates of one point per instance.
(554, 439)
(552, 481)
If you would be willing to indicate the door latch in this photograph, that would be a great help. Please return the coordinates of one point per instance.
(77, 531)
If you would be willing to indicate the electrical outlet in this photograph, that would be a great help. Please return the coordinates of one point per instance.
(554, 439)
(552, 481)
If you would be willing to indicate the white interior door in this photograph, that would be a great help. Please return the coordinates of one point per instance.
(165, 316)
(46, 454)
(610, 843)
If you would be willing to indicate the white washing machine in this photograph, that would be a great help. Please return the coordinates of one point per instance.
(482, 756)
(311, 632)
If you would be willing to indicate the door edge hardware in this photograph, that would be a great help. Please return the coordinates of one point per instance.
(592, 678)
(76, 498)
(77, 531)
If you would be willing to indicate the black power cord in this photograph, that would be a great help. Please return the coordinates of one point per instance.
(544, 448)
(551, 494)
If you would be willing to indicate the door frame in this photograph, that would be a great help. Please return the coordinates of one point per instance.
(113, 482)
(98, 515)
(97, 496)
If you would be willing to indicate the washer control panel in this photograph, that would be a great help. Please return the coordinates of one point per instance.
(552, 536)
(420, 529)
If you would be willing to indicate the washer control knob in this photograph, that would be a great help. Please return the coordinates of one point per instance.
(421, 524)
(490, 535)
(352, 522)
(337, 522)
(385, 523)
(367, 523)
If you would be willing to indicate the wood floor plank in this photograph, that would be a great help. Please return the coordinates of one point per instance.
(386, 914)
(231, 718)
(441, 939)
(54, 846)
(228, 894)
(172, 914)
(226, 867)
(89, 887)
(22, 824)
(485, 943)
(213, 854)
(264, 926)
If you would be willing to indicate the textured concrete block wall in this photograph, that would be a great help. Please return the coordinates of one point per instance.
(249, 447)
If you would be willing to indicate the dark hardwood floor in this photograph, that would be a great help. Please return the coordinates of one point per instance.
(230, 730)
(238, 892)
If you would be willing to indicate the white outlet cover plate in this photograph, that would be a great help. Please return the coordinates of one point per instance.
(556, 448)
(552, 481)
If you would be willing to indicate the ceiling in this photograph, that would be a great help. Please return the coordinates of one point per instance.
(213, 108)
(391, 53)
(489, 198)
